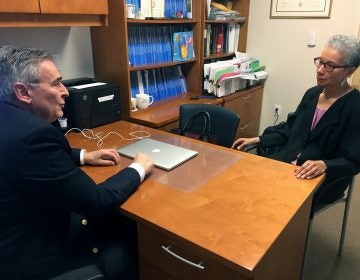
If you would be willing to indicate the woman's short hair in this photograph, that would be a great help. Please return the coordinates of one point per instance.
(348, 47)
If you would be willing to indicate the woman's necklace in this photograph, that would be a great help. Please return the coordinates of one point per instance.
(337, 96)
(326, 100)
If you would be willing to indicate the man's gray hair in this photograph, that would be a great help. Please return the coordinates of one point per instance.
(348, 47)
(19, 64)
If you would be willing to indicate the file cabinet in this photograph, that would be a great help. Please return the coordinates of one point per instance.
(247, 104)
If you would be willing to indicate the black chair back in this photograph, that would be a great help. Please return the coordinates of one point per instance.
(224, 122)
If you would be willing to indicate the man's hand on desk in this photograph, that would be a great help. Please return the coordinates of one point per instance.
(145, 161)
(102, 157)
(111, 157)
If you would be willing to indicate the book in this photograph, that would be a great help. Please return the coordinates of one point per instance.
(183, 46)
(220, 39)
(237, 36)
(134, 84)
(225, 38)
(158, 8)
(180, 8)
(145, 6)
(214, 36)
(231, 37)
(160, 83)
(208, 39)
(189, 8)
(184, 87)
(176, 8)
(140, 82)
(208, 8)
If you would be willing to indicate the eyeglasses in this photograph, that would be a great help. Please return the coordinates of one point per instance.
(329, 67)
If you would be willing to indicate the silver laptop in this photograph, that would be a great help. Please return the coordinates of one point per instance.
(165, 156)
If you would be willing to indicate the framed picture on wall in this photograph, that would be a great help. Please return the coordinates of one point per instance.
(300, 8)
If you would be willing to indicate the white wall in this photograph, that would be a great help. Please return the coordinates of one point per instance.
(72, 44)
(280, 44)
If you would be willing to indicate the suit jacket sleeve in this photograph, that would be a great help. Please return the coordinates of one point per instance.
(75, 153)
(47, 173)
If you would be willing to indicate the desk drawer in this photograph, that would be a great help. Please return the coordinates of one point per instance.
(247, 105)
(149, 272)
(159, 251)
(249, 129)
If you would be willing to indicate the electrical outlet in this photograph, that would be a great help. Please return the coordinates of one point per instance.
(277, 110)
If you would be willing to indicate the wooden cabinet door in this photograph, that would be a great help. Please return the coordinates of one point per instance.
(20, 6)
(248, 129)
(246, 104)
(96, 7)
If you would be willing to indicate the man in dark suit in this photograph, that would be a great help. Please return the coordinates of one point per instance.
(53, 217)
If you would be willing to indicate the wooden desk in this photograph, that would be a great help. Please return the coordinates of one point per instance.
(246, 218)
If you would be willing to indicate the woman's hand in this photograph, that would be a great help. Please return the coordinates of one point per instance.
(310, 169)
(241, 143)
(102, 157)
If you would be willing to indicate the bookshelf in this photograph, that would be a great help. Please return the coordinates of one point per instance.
(111, 61)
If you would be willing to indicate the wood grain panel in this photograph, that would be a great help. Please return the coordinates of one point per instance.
(248, 129)
(246, 104)
(170, 126)
(98, 7)
(20, 6)
(46, 20)
(148, 272)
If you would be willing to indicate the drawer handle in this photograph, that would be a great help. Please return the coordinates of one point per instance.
(247, 97)
(167, 249)
(244, 127)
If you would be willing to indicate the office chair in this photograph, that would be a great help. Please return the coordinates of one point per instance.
(319, 208)
(90, 272)
(224, 122)
(346, 199)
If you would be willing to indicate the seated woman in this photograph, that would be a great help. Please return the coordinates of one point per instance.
(322, 135)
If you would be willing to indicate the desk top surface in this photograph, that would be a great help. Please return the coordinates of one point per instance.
(230, 203)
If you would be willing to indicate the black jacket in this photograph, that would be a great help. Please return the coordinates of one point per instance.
(335, 139)
(41, 186)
